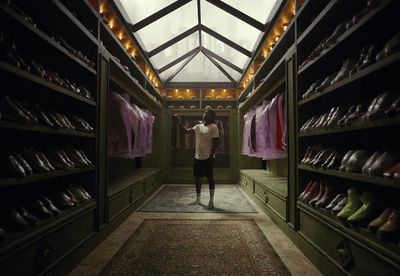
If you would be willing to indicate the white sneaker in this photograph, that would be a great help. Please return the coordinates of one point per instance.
(194, 202)
(210, 205)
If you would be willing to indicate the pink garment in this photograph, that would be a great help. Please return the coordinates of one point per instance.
(246, 146)
(262, 129)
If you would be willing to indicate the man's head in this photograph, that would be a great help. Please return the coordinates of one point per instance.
(209, 116)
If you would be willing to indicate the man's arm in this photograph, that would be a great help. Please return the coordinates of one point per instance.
(187, 130)
(214, 145)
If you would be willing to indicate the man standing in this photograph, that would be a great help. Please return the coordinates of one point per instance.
(207, 140)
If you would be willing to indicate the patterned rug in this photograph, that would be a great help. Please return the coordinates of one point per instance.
(196, 247)
(175, 198)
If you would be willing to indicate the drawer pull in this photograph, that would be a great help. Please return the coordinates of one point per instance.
(43, 255)
(344, 254)
(131, 197)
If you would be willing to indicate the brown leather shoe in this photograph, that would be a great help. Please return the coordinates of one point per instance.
(391, 228)
(374, 225)
(356, 161)
(392, 170)
(382, 164)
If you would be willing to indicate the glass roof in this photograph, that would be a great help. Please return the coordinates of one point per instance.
(222, 33)
(200, 69)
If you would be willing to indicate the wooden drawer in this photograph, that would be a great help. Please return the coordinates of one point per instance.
(119, 202)
(276, 203)
(247, 182)
(343, 251)
(40, 255)
(260, 192)
(149, 183)
(137, 191)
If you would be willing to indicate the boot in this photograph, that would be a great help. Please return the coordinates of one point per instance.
(370, 205)
(352, 205)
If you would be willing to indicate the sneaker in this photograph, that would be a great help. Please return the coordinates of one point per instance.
(210, 205)
(195, 202)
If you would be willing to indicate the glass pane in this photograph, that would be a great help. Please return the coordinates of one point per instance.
(229, 26)
(173, 52)
(234, 74)
(223, 50)
(200, 69)
(136, 11)
(167, 73)
(261, 13)
(168, 27)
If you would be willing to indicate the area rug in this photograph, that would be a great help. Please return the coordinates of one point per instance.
(175, 198)
(196, 247)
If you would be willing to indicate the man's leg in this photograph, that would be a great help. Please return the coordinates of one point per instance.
(211, 186)
(198, 191)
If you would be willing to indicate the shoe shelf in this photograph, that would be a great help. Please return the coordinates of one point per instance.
(129, 84)
(274, 81)
(44, 129)
(360, 126)
(88, 14)
(381, 181)
(348, 33)
(43, 37)
(45, 83)
(14, 240)
(15, 181)
(359, 235)
(365, 72)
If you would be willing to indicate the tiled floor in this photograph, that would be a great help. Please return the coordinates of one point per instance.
(296, 262)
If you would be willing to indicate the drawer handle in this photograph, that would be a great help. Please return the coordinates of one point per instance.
(344, 254)
(131, 197)
(266, 199)
(43, 255)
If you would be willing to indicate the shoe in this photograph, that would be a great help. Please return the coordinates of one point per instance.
(210, 205)
(382, 164)
(197, 201)
(370, 204)
(50, 206)
(326, 82)
(14, 221)
(59, 162)
(371, 161)
(81, 195)
(342, 120)
(326, 197)
(356, 115)
(321, 191)
(339, 206)
(72, 196)
(77, 159)
(27, 168)
(40, 209)
(352, 205)
(344, 71)
(32, 118)
(11, 112)
(55, 121)
(313, 192)
(35, 161)
(339, 30)
(360, 60)
(311, 89)
(391, 47)
(323, 156)
(321, 121)
(335, 201)
(369, 58)
(346, 158)
(86, 93)
(63, 201)
(392, 171)
(329, 117)
(31, 219)
(335, 162)
(45, 160)
(13, 167)
(382, 103)
(66, 158)
(391, 228)
(357, 161)
(337, 114)
(84, 157)
(374, 225)
(394, 108)
(308, 151)
(42, 116)
(306, 190)
(328, 160)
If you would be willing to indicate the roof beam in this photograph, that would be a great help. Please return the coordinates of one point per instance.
(199, 20)
(238, 14)
(219, 67)
(157, 15)
(221, 59)
(172, 41)
(226, 41)
(179, 59)
(181, 67)
(199, 85)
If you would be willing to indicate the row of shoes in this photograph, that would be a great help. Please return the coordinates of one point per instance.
(31, 161)
(356, 207)
(195, 107)
(378, 163)
(11, 109)
(21, 216)
(383, 105)
(9, 54)
(56, 37)
(341, 28)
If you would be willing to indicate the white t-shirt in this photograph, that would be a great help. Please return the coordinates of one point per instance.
(204, 135)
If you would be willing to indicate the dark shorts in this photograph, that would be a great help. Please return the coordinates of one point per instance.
(203, 168)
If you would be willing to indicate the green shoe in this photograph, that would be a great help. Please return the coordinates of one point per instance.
(353, 203)
(369, 205)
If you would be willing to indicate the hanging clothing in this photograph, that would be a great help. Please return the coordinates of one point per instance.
(248, 118)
